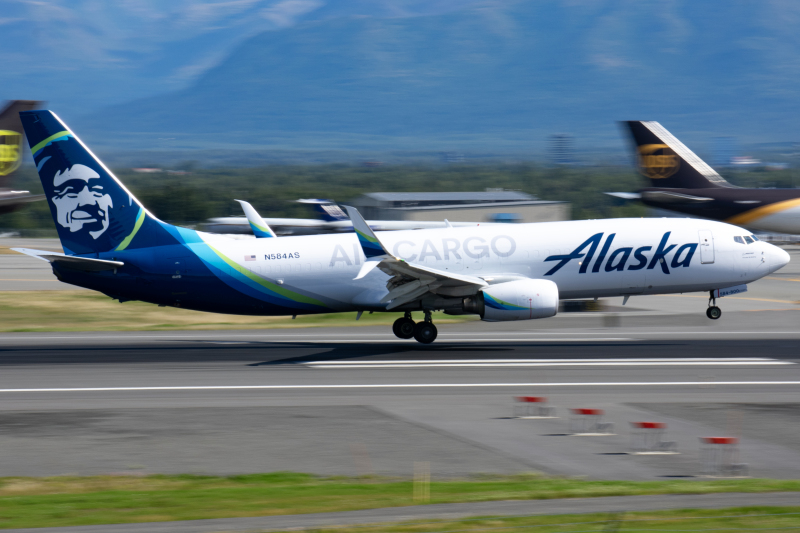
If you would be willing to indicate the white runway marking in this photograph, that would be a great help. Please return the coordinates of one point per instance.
(506, 363)
(406, 386)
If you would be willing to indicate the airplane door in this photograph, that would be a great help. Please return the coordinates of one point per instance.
(706, 246)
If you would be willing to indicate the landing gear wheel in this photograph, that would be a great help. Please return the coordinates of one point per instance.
(403, 328)
(713, 312)
(425, 332)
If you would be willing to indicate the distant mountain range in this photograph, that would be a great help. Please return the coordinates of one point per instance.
(495, 77)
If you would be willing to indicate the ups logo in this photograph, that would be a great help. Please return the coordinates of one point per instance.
(658, 161)
(10, 151)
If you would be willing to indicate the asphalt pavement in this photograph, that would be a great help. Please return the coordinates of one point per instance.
(354, 401)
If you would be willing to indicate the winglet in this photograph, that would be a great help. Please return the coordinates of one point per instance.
(260, 228)
(372, 247)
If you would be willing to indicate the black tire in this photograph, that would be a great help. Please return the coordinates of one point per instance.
(425, 332)
(713, 312)
(403, 328)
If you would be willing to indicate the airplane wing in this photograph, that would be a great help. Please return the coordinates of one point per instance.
(408, 282)
(260, 228)
(70, 261)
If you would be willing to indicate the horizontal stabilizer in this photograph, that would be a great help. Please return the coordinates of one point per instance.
(667, 197)
(625, 195)
(70, 261)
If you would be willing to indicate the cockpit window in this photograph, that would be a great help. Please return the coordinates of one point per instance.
(748, 240)
(754, 237)
(739, 240)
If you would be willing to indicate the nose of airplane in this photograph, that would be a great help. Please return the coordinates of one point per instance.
(779, 258)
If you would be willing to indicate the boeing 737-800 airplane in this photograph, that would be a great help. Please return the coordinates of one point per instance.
(112, 244)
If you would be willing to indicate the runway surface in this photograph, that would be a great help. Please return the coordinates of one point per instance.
(356, 401)
(450, 511)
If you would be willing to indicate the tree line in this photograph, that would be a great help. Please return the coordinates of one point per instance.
(193, 197)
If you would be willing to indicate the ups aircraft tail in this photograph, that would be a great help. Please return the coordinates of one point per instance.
(11, 154)
(11, 136)
(667, 162)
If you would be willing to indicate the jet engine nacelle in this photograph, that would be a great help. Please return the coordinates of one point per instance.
(514, 300)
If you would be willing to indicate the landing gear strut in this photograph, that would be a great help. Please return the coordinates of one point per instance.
(425, 332)
(713, 312)
(403, 327)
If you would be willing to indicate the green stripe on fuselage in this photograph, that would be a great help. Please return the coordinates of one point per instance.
(289, 295)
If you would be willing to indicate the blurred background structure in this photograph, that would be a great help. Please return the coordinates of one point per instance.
(492, 205)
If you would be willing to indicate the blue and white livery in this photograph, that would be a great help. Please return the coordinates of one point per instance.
(112, 244)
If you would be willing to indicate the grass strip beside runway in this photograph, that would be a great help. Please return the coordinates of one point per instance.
(72, 501)
(731, 519)
(34, 311)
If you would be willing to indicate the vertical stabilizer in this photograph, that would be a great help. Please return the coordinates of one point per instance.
(94, 213)
(667, 162)
(11, 137)
(326, 210)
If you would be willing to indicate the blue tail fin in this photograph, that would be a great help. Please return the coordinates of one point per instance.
(326, 210)
(93, 211)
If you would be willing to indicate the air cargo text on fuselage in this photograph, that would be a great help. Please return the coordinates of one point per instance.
(447, 249)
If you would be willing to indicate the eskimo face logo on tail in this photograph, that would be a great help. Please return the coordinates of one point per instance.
(10, 151)
(658, 161)
(80, 202)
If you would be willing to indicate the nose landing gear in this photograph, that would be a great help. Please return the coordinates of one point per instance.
(713, 312)
(424, 332)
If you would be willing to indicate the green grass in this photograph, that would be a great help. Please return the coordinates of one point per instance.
(741, 518)
(93, 311)
(67, 501)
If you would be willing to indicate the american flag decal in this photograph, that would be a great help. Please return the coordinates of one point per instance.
(249, 258)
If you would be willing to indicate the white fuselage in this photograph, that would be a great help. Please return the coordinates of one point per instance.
(781, 221)
(697, 255)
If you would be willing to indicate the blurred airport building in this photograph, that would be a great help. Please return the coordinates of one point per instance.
(486, 206)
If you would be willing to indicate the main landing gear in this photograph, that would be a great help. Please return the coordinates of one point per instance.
(713, 312)
(424, 332)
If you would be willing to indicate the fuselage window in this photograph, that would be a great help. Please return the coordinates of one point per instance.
(739, 240)
(748, 240)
